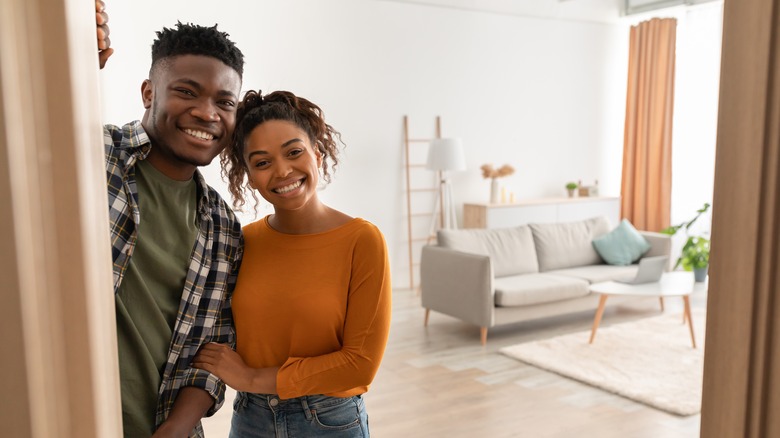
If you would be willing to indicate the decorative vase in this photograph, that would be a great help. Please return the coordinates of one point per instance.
(494, 192)
(700, 274)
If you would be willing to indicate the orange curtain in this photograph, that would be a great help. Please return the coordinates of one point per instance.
(646, 187)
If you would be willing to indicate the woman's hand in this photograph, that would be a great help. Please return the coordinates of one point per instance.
(223, 362)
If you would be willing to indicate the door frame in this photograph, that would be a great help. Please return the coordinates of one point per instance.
(58, 318)
(741, 385)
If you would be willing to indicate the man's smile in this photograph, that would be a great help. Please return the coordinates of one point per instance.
(203, 135)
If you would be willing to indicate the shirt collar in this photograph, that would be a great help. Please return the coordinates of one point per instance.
(204, 195)
(138, 141)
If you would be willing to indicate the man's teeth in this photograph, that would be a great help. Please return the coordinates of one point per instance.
(200, 134)
(286, 189)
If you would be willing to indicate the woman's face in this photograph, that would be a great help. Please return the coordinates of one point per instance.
(283, 165)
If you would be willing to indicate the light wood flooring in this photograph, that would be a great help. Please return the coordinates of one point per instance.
(440, 382)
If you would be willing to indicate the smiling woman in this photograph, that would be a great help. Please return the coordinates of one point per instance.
(293, 121)
(312, 299)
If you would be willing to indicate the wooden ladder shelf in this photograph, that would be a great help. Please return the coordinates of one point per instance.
(414, 217)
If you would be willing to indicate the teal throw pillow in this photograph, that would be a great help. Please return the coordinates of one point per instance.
(621, 246)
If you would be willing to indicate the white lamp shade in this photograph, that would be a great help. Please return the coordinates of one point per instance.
(446, 154)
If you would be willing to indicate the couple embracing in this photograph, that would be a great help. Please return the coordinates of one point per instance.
(292, 311)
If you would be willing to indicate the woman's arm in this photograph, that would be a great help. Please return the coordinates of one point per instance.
(223, 362)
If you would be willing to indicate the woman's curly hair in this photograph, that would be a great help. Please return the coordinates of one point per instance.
(255, 109)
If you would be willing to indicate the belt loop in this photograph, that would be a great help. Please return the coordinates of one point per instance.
(306, 410)
(241, 401)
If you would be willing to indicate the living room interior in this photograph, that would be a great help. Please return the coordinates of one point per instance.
(539, 86)
(519, 88)
(542, 88)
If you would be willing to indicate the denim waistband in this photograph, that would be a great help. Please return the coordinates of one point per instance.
(305, 403)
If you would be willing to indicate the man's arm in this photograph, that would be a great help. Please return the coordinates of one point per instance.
(195, 402)
(103, 42)
(190, 406)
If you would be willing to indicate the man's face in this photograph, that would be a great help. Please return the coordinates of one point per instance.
(190, 103)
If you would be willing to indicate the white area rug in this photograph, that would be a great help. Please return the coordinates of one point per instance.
(650, 360)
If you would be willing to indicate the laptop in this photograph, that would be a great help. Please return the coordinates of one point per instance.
(650, 270)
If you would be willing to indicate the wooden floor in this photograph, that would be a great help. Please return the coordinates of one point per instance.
(440, 382)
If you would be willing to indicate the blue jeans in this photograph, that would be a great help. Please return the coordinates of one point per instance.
(266, 415)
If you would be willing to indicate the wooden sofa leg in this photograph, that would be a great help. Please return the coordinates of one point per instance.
(483, 335)
(427, 313)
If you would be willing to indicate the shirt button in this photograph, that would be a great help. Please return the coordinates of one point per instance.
(274, 401)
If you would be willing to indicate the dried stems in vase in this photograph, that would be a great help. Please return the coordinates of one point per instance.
(488, 171)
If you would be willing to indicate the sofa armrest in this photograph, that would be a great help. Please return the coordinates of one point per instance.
(660, 244)
(458, 284)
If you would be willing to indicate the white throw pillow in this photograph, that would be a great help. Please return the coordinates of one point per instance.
(511, 250)
(568, 244)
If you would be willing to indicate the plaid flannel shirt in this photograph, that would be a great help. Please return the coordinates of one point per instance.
(204, 314)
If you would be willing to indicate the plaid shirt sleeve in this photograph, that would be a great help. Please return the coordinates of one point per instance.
(205, 314)
(223, 332)
(124, 146)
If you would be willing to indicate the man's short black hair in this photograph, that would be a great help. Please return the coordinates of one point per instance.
(191, 39)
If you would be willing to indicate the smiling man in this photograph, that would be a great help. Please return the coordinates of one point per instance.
(176, 245)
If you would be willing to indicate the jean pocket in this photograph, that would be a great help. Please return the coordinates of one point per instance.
(341, 416)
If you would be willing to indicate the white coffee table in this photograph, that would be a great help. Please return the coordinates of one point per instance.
(672, 284)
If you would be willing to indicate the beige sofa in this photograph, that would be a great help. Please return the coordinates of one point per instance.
(489, 277)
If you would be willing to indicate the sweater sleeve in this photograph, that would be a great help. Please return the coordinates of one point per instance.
(366, 329)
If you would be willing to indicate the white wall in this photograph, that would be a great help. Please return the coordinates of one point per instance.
(545, 96)
(697, 85)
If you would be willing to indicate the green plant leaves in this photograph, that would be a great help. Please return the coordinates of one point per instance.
(675, 228)
(696, 251)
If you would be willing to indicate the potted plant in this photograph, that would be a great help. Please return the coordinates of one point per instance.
(571, 187)
(695, 254)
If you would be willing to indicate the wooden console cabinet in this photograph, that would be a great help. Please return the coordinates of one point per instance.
(544, 210)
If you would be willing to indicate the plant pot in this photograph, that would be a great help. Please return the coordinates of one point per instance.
(700, 274)
(571, 192)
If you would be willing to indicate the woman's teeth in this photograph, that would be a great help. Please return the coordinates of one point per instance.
(286, 189)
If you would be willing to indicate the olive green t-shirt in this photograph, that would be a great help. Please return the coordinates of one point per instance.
(148, 298)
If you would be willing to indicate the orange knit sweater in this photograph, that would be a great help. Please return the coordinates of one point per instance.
(316, 305)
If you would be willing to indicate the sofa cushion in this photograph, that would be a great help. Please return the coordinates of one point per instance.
(621, 246)
(528, 289)
(568, 244)
(511, 250)
(598, 273)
